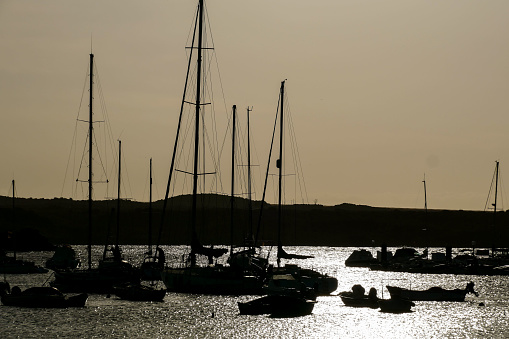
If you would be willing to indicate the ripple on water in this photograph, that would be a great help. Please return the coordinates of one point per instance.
(202, 316)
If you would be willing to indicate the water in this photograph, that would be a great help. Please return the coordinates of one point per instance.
(203, 316)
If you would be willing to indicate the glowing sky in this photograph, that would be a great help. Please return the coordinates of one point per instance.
(382, 92)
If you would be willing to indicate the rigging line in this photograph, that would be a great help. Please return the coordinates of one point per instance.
(75, 129)
(215, 57)
(177, 134)
(299, 162)
(108, 135)
(296, 160)
(266, 175)
(83, 157)
(100, 161)
(501, 189)
(216, 153)
(218, 183)
(212, 156)
(254, 151)
(128, 193)
(491, 188)
(292, 146)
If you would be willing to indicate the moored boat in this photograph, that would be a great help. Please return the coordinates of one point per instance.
(10, 265)
(213, 278)
(357, 298)
(360, 258)
(42, 297)
(139, 292)
(13, 265)
(395, 305)
(433, 294)
(112, 270)
(63, 258)
(217, 280)
(323, 284)
(277, 306)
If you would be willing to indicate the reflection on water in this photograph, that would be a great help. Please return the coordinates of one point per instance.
(183, 315)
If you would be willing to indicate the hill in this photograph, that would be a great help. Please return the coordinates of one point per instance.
(66, 221)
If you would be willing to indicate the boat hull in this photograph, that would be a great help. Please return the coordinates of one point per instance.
(277, 306)
(43, 297)
(395, 305)
(139, 293)
(20, 267)
(360, 302)
(210, 280)
(432, 294)
(90, 281)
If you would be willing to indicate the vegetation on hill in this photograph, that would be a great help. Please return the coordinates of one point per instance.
(64, 221)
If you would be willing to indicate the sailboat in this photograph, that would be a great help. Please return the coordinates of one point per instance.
(493, 246)
(323, 284)
(247, 260)
(110, 271)
(425, 229)
(212, 278)
(112, 259)
(153, 263)
(238, 278)
(13, 265)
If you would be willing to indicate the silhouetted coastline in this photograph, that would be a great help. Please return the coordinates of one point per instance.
(64, 221)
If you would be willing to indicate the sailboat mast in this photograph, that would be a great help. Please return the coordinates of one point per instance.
(280, 161)
(425, 206)
(90, 173)
(249, 177)
(233, 181)
(150, 213)
(14, 218)
(197, 127)
(118, 191)
(425, 229)
(170, 175)
(495, 209)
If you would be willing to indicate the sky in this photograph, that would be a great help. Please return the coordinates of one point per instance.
(382, 93)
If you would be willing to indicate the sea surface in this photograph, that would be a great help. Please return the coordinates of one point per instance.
(205, 316)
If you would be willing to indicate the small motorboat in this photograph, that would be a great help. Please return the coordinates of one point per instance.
(360, 258)
(357, 298)
(287, 284)
(433, 293)
(139, 292)
(278, 306)
(395, 305)
(42, 297)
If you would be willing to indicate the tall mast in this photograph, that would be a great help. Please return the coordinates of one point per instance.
(90, 173)
(426, 237)
(280, 161)
(197, 126)
(170, 175)
(233, 181)
(150, 213)
(118, 191)
(425, 205)
(495, 208)
(249, 178)
(14, 217)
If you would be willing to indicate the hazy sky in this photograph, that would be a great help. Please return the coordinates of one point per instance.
(381, 91)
